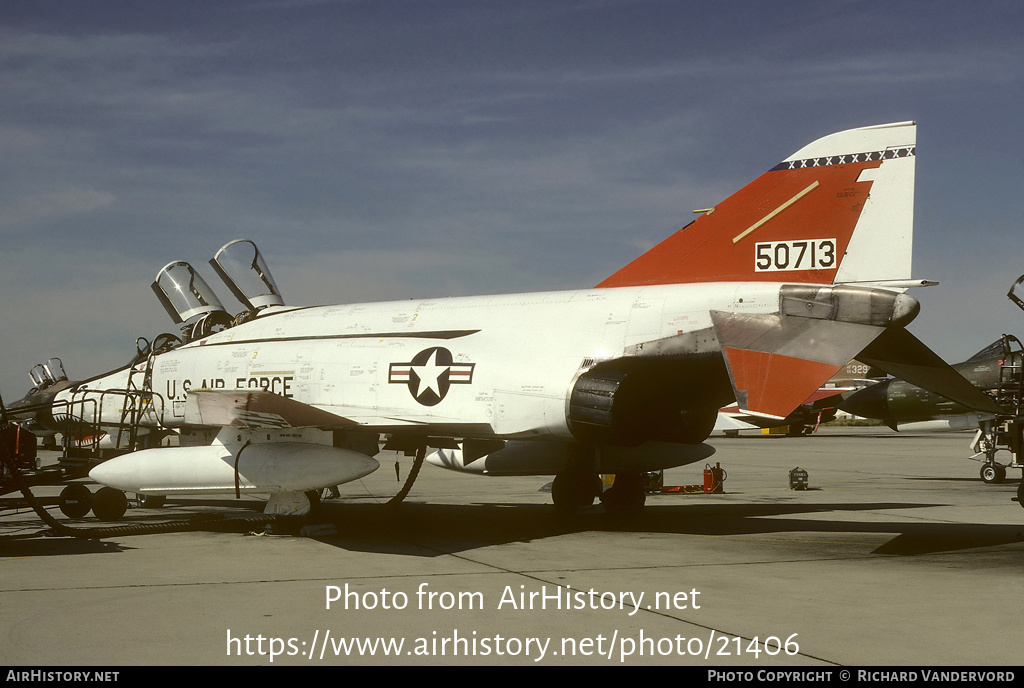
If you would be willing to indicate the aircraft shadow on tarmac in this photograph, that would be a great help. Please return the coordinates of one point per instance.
(430, 530)
(38, 546)
(433, 530)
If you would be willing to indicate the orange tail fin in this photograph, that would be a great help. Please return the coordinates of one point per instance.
(838, 210)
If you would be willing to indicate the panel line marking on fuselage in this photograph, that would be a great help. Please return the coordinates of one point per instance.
(436, 334)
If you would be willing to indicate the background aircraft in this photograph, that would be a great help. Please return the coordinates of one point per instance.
(760, 300)
(995, 370)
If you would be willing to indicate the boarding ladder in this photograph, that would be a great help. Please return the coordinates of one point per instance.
(92, 413)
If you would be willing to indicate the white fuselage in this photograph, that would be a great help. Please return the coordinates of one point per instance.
(513, 357)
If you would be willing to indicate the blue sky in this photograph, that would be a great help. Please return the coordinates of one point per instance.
(393, 149)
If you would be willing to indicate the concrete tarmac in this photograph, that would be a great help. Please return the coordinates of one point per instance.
(898, 554)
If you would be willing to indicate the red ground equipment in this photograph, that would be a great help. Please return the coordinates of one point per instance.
(714, 477)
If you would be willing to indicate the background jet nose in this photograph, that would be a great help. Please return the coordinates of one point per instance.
(870, 402)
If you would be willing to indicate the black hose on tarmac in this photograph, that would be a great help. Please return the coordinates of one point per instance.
(421, 454)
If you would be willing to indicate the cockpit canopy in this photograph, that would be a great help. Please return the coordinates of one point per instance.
(190, 301)
(184, 293)
(241, 266)
(45, 374)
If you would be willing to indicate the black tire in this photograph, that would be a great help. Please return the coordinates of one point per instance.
(991, 474)
(75, 500)
(109, 504)
(625, 496)
(574, 491)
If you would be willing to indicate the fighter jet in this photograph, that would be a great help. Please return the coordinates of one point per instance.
(903, 406)
(760, 300)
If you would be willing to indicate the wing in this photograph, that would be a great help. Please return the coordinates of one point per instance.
(256, 409)
(260, 409)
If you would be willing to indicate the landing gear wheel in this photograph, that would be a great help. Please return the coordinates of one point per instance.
(573, 491)
(109, 504)
(626, 495)
(75, 500)
(993, 474)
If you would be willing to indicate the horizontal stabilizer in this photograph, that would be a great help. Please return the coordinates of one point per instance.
(904, 356)
(776, 362)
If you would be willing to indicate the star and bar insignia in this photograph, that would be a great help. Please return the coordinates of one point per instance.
(430, 374)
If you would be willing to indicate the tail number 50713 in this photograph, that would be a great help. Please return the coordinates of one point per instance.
(806, 254)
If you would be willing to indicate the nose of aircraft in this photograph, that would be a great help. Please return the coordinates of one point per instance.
(870, 402)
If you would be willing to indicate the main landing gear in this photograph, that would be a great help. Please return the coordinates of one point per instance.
(627, 495)
(575, 489)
